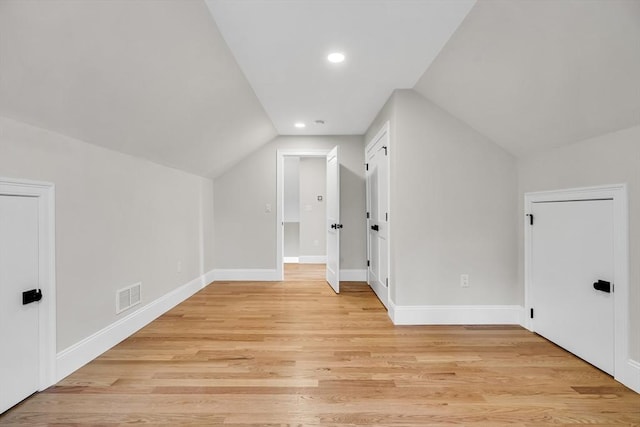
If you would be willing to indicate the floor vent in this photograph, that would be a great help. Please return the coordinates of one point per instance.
(128, 297)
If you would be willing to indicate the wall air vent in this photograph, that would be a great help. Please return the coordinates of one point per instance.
(128, 297)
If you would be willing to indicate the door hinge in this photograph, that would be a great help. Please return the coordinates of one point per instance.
(386, 281)
(530, 219)
(368, 263)
(367, 215)
(366, 165)
(531, 313)
(386, 216)
(385, 149)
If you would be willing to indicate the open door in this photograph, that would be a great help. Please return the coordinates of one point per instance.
(333, 219)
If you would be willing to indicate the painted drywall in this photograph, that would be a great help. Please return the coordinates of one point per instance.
(313, 212)
(153, 79)
(291, 239)
(609, 159)
(453, 208)
(532, 75)
(291, 191)
(245, 230)
(119, 220)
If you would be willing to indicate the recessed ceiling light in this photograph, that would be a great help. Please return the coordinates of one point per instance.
(336, 57)
(300, 125)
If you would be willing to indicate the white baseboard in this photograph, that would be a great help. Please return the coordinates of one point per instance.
(312, 259)
(353, 275)
(266, 275)
(291, 259)
(455, 314)
(74, 357)
(208, 278)
(630, 375)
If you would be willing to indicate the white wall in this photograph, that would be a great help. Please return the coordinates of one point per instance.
(119, 220)
(291, 239)
(291, 191)
(291, 202)
(245, 234)
(453, 208)
(313, 213)
(609, 159)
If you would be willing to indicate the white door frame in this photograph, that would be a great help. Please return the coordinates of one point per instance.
(386, 128)
(281, 154)
(623, 366)
(45, 192)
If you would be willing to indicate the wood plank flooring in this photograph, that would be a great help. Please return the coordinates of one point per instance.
(304, 272)
(294, 353)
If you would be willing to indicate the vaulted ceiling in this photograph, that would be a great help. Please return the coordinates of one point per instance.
(537, 74)
(149, 78)
(198, 85)
(282, 47)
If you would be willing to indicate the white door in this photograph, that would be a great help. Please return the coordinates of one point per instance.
(377, 170)
(333, 219)
(19, 323)
(572, 277)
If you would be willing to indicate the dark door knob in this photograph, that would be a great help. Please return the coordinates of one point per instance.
(33, 295)
(375, 227)
(602, 286)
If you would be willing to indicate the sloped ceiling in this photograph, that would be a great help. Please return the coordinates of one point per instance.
(153, 79)
(282, 47)
(156, 79)
(534, 74)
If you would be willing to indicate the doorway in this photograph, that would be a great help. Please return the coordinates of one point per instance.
(27, 289)
(304, 210)
(576, 273)
(304, 204)
(378, 225)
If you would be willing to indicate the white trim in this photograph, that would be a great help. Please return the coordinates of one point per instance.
(84, 351)
(455, 314)
(261, 275)
(291, 259)
(353, 275)
(208, 278)
(280, 155)
(45, 192)
(312, 259)
(631, 376)
(383, 292)
(624, 371)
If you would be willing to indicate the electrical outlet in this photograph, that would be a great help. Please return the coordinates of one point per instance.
(179, 266)
(267, 208)
(464, 280)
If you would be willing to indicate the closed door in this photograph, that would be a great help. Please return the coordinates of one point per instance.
(333, 219)
(377, 170)
(19, 323)
(572, 277)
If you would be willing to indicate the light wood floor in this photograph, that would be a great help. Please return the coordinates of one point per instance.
(294, 353)
(304, 272)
